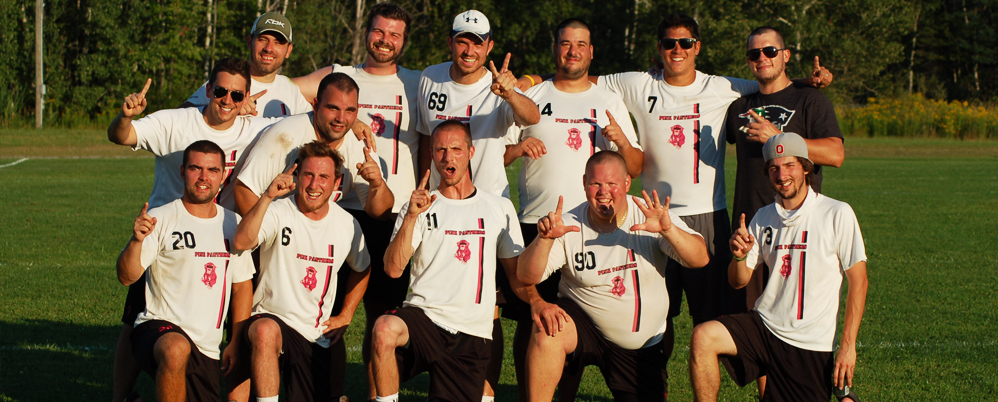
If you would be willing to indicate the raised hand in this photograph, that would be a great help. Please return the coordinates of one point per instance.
(657, 219)
(613, 133)
(369, 170)
(144, 224)
(533, 148)
(503, 81)
(741, 241)
(249, 107)
(135, 103)
(420, 200)
(364, 133)
(284, 183)
(820, 76)
(761, 129)
(551, 226)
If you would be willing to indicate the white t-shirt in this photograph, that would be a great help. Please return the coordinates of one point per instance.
(454, 266)
(808, 251)
(277, 150)
(488, 116)
(283, 98)
(617, 278)
(190, 272)
(682, 131)
(299, 260)
(571, 130)
(167, 133)
(387, 103)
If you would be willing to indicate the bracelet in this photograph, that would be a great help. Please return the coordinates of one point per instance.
(532, 83)
(740, 259)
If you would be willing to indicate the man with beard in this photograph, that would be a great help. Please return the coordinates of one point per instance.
(611, 251)
(577, 120)
(165, 134)
(275, 95)
(304, 241)
(388, 104)
(786, 107)
(445, 326)
(182, 248)
(790, 334)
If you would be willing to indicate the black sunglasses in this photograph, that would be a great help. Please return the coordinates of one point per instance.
(769, 51)
(685, 43)
(220, 92)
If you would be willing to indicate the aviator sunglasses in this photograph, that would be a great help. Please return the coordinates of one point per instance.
(219, 92)
(685, 43)
(769, 51)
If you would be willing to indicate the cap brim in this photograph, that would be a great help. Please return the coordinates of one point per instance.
(279, 33)
(481, 37)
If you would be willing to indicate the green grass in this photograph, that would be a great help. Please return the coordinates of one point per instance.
(928, 210)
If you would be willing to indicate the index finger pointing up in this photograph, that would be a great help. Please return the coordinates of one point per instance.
(817, 66)
(505, 63)
(561, 201)
(291, 169)
(146, 88)
(425, 183)
(609, 115)
(367, 155)
(742, 221)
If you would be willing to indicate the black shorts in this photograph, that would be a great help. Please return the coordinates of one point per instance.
(203, 374)
(306, 366)
(794, 374)
(383, 292)
(707, 289)
(631, 375)
(135, 301)
(456, 362)
(516, 309)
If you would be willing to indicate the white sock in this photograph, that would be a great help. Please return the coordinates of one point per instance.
(267, 399)
(390, 398)
(486, 398)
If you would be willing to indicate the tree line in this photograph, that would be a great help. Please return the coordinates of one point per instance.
(98, 51)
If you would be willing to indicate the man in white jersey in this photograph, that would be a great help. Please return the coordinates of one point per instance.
(166, 134)
(611, 252)
(577, 120)
(185, 248)
(810, 242)
(454, 236)
(304, 242)
(275, 95)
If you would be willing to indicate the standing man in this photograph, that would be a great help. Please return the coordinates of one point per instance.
(786, 107)
(454, 236)
(388, 105)
(165, 134)
(577, 120)
(304, 242)
(611, 252)
(269, 45)
(184, 247)
(790, 335)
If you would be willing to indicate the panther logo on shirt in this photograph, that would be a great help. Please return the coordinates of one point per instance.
(785, 269)
(209, 278)
(310, 280)
(678, 138)
(378, 124)
(463, 251)
(574, 139)
(618, 287)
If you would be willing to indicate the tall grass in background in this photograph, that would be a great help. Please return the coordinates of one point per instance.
(915, 116)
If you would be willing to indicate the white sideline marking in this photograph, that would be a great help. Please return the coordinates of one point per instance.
(13, 163)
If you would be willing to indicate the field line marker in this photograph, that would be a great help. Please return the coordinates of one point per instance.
(13, 163)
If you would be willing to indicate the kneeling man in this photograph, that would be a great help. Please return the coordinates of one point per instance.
(304, 241)
(611, 252)
(813, 241)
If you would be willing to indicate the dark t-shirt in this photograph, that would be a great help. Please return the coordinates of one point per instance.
(797, 109)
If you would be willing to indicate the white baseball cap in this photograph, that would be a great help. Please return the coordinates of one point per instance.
(472, 22)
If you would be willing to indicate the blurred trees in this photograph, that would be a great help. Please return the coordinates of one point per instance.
(98, 51)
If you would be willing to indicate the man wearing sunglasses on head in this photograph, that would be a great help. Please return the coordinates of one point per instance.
(166, 134)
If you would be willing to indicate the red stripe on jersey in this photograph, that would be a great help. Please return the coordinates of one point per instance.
(800, 287)
(225, 275)
(398, 99)
(481, 262)
(325, 288)
(803, 237)
(696, 148)
(637, 301)
(630, 255)
(696, 108)
(395, 142)
(592, 133)
(469, 111)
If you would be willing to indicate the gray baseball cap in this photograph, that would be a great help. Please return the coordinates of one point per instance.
(784, 144)
(272, 22)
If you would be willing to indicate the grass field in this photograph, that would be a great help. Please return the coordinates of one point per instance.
(928, 210)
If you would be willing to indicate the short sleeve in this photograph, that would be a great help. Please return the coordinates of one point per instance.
(199, 97)
(359, 259)
(742, 86)
(242, 266)
(511, 239)
(558, 257)
(269, 228)
(752, 258)
(851, 249)
(423, 124)
(417, 231)
(151, 244)
(153, 132)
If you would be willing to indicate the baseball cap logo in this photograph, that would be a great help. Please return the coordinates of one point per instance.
(779, 149)
(274, 22)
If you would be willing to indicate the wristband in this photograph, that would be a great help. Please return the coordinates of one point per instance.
(532, 83)
(740, 259)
